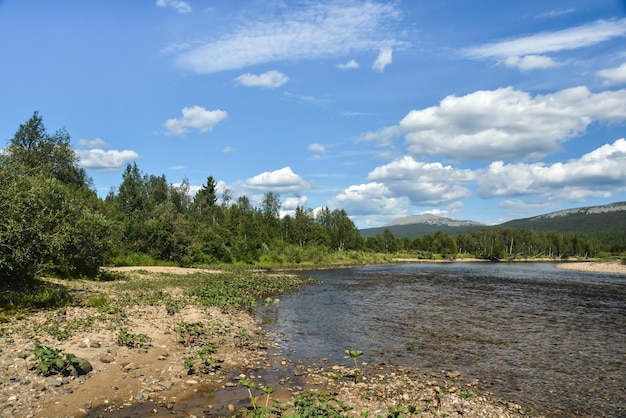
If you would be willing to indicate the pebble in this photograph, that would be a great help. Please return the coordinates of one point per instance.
(107, 358)
(53, 381)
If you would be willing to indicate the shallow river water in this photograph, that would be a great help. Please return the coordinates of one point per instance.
(551, 340)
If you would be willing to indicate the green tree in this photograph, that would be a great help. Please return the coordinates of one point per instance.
(132, 200)
(205, 199)
(33, 151)
(344, 234)
(303, 225)
(389, 242)
(270, 211)
(48, 216)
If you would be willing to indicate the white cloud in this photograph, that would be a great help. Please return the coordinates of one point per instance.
(383, 60)
(271, 79)
(279, 181)
(317, 148)
(540, 43)
(292, 202)
(306, 99)
(180, 6)
(556, 13)
(228, 150)
(424, 184)
(370, 198)
(328, 29)
(100, 160)
(600, 173)
(350, 65)
(613, 75)
(383, 136)
(195, 117)
(531, 62)
(91, 143)
(397, 188)
(504, 124)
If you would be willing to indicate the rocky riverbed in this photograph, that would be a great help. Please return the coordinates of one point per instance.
(148, 361)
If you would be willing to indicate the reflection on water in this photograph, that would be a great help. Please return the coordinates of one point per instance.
(551, 340)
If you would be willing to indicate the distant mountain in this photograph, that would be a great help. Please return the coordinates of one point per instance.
(585, 220)
(431, 220)
(419, 225)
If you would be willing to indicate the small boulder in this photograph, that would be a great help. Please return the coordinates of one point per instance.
(82, 368)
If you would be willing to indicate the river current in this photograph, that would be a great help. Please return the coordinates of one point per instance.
(553, 341)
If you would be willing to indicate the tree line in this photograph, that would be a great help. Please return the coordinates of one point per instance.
(52, 221)
(495, 243)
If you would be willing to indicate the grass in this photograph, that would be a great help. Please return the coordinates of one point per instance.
(226, 289)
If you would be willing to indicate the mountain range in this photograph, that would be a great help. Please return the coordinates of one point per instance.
(584, 220)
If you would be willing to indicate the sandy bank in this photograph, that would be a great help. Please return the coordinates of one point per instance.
(616, 267)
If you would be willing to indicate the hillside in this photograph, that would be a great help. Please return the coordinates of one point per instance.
(602, 219)
(585, 220)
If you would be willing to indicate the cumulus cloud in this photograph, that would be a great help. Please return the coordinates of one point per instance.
(270, 80)
(613, 76)
(279, 181)
(322, 30)
(397, 188)
(370, 198)
(424, 184)
(383, 60)
(350, 65)
(504, 124)
(292, 202)
(530, 62)
(599, 173)
(91, 143)
(180, 6)
(195, 117)
(100, 160)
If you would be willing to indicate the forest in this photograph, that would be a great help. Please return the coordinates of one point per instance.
(53, 222)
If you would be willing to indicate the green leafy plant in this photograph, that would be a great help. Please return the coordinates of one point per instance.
(268, 391)
(189, 332)
(465, 395)
(129, 340)
(189, 363)
(250, 384)
(51, 361)
(398, 411)
(319, 404)
(354, 354)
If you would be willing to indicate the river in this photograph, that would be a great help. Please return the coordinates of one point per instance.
(553, 341)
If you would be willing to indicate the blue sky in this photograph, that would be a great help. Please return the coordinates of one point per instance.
(481, 110)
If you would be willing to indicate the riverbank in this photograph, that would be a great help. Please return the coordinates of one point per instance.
(157, 366)
(615, 267)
